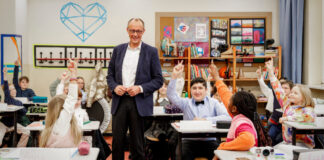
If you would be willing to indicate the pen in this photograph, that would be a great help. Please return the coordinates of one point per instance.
(75, 152)
(84, 123)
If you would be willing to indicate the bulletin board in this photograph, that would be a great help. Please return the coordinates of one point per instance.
(57, 56)
(11, 50)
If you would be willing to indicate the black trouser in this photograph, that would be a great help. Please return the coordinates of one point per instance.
(192, 149)
(126, 117)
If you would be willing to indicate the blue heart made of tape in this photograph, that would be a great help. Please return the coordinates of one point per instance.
(83, 22)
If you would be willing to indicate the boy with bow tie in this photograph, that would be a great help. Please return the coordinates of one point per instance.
(199, 107)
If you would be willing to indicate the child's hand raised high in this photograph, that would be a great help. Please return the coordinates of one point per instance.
(269, 65)
(213, 70)
(72, 67)
(177, 70)
(259, 72)
(65, 76)
(17, 62)
(5, 72)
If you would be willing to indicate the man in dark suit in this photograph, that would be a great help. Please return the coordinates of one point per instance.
(134, 73)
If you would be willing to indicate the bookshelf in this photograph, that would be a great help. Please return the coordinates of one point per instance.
(169, 19)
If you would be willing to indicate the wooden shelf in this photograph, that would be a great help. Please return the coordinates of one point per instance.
(255, 57)
(173, 58)
(245, 79)
(211, 58)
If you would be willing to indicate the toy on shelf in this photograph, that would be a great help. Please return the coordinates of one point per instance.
(181, 49)
(168, 46)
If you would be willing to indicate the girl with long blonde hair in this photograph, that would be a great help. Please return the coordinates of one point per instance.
(298, 106)
(61, 128)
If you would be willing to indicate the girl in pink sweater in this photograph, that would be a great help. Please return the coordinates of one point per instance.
(61, 128)
(246, 130)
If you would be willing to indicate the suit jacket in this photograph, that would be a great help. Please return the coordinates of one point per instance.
(148, 75)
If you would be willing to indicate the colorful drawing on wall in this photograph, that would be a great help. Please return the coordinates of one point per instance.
(247, 23)
(236, 23)
(83, 22)
(167, 31)
(258, 36)
(183, 28)
(258, 23)
(11, 50)
(246, 31)
(236, 40)
(247, 40)
(236, 31)
(186, 29)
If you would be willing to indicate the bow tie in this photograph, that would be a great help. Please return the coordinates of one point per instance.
(201, 102)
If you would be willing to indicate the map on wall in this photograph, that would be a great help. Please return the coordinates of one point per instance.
(83, 22)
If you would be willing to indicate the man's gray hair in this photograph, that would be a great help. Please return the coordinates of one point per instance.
(136, 20)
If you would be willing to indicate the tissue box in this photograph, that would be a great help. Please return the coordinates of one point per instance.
(38, 99)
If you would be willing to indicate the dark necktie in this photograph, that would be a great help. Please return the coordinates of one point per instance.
(201, 102)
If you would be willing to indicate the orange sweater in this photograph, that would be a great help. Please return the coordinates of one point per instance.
(245, 139)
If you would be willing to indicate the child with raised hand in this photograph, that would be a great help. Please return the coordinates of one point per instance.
(81, 85)
(23, 83)
(162, 99)
(61, 128)
(6, 123)
(246, 130)
(199, 107)
(298, 106)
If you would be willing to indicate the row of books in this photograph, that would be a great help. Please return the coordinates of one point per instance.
(199, 70)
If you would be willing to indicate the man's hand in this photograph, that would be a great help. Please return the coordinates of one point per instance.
(120, 90)
(177, 70)
(133, 90)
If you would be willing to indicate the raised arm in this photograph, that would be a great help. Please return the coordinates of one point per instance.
(279, 92)
(15, 76)
(62, 124)
(171, 91)
(222, 89)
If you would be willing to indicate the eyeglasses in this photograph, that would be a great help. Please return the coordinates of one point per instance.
(132, 31)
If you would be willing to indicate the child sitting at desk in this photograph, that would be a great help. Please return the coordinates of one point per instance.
(298, 106)
(246, 129)
(61, 128)
(7, 122)
(200, 107)
(63, 88)
(22, 85)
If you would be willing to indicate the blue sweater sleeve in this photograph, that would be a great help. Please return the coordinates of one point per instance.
(11, 101)
(15, 78)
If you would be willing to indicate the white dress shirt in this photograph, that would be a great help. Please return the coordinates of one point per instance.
(129, 67)
(268, 93)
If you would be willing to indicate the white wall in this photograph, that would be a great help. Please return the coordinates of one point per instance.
(44, 25)
(312, 67)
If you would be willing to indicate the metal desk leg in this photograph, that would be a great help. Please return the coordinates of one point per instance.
(180, 146)
(15, 129)
(93, 138)
(293, 136)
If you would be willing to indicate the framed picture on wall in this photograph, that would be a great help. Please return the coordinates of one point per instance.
(247, 31)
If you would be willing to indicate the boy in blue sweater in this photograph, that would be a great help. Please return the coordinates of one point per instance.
(22, 85)
(6, 123)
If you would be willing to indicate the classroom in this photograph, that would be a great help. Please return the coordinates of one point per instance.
(162, 80)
